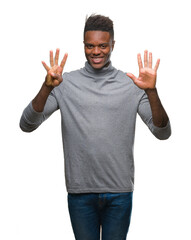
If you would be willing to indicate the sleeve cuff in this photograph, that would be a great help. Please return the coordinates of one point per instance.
(162, 133)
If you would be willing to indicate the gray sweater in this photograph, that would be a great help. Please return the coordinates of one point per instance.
(98, 110)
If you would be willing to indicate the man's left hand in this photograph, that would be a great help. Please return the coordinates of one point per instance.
(147, 74)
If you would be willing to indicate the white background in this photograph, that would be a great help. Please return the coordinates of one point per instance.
(33, 198)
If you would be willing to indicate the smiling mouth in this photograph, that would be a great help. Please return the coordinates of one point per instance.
(97, 60)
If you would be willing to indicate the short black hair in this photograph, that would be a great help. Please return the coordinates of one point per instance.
(99, 23)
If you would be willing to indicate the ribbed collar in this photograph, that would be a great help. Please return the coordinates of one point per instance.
(105, 70)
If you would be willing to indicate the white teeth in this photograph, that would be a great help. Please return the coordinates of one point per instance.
(97, 60)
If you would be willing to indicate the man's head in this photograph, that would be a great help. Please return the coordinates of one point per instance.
(98, 40)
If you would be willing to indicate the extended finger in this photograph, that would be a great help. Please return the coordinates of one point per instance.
(57, 56)
(139, 61)
(150, 60)
(45, 66)
(157, 65)
(62, 64)
(145, 58)
(51, 59)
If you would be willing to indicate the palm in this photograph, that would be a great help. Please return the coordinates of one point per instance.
(147, 74)
(146, 79)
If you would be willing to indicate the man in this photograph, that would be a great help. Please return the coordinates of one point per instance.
(98, 106)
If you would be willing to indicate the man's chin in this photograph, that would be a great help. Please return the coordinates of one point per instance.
(99, 66)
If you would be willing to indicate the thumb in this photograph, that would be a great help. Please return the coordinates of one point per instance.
(55, 75)
(132, 76)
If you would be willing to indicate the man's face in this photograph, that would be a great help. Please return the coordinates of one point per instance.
(98, 47)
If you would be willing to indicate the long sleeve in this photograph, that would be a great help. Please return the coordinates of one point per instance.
(144, 111)
(31, 120)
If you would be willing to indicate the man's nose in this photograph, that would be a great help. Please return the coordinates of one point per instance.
(96, 50)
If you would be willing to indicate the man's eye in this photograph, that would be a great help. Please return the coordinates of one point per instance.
(103, 46)
(89, 46)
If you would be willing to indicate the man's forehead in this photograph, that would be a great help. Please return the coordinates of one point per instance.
(97, 35)
(100, 43)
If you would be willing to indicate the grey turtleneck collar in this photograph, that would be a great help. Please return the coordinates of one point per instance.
(105, 70)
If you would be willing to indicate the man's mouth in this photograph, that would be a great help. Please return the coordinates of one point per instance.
(97, 60)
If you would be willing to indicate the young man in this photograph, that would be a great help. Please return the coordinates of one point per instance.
(98, 106)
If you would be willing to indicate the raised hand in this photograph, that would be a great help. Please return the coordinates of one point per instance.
(54, 72)
(147, 74)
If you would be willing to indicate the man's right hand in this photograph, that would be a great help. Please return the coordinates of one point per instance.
(54, 72)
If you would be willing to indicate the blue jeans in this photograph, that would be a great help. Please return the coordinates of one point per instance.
(89, 211)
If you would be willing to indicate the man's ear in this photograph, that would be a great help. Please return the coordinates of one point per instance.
(113, 43)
